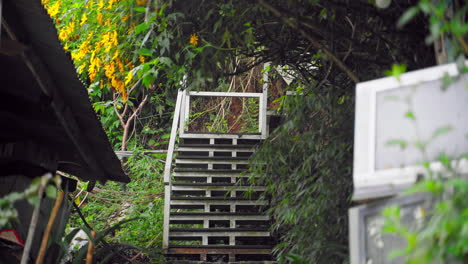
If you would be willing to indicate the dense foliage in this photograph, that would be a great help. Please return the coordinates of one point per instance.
(134, 55)
(140, 200)
(307, 166)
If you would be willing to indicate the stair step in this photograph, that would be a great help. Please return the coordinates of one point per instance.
(211, 199)
(223, 246)
(215, 233)
(211, 262)
(210, 171)
(224, 187)
(214, 230)
(217, 146)
(197, 203)
(206, 184)
(211, 158)
(214, 178)
(214, 214)
(220, 133)
(197, 217)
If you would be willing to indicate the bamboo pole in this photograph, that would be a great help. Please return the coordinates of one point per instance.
(45, 238)
(89, 255)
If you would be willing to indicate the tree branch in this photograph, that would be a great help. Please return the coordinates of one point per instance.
(312, 40)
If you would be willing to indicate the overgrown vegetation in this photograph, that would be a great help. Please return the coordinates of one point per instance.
(135, 54)
(141, 200)
(307, 166)
(443, 235)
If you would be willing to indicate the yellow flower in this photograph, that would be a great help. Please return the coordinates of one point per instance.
(124, 96)
(99, 18)
(110, 4)
(141, 2)
(120, 65)
(109, 70)
(101, 4)
(194, 39)
(119, 86)
(94, 66)
(81, 68)
(128, 78)
(54, 9)
(142, 59)
(84, 18)
(125, 17)
(66, 31)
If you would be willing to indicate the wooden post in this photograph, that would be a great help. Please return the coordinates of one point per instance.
(182, 113)
(170, 151)
(167, 171)
(186, 104)
(263, 127)
(34, 218)
(53, 215)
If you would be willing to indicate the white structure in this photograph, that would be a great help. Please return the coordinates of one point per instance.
(402, 123)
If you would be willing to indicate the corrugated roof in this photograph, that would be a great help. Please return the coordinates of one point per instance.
(61, 116)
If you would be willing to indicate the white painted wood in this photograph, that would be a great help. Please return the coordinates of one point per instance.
(167, 211)
(225, 94)
(167, 172)
(370, 182)
(207, 174)
(216, 202)
(221, 217)
(217, 188)
(217, 149)
(170, 151)
(207, 135)
(199, 161)
(187, 108)
(264, 104)
(182, 113)
(221, 234)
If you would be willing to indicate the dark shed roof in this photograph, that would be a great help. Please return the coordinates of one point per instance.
(43, 103)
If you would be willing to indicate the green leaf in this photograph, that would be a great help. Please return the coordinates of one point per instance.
(143, 27)
(396, 71)
(396, 253)
(144, 52)
(140, 9)
(410, 115)
(407, 16)
(401, 143)
(441, 131)
(51, 191)
(445, 160)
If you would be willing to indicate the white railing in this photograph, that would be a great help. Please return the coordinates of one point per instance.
(181, 118)
(185, 113)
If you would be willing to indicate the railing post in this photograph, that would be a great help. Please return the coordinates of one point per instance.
(186, 104)
(167, 170)
(263, 127)
(183, 108)
(170, 150)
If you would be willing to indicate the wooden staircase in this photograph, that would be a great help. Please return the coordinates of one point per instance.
(212, 213)
(211, 216)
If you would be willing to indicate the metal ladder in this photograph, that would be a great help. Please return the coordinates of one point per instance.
(211, 212)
